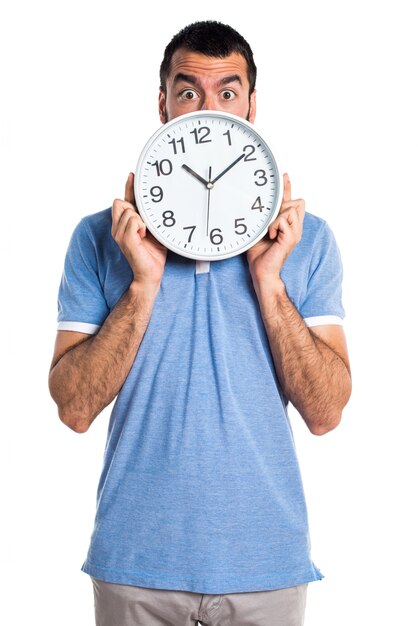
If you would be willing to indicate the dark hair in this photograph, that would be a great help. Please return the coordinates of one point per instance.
(212, 39)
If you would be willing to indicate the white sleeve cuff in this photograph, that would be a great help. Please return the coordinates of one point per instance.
(80, 327)
(322, 320)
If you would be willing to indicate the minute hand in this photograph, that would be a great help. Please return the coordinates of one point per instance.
(228, 168)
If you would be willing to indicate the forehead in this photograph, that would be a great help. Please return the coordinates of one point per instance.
(187, 62)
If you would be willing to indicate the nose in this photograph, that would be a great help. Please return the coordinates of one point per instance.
(208, 103)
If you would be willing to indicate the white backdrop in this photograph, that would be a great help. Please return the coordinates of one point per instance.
(337, 95)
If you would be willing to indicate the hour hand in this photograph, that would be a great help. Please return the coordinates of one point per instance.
(202, 180)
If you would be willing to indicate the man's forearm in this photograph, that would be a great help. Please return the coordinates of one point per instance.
(88, 377)
(312, 375)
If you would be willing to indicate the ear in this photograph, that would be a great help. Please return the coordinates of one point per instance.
(162, 107)
(253, 107)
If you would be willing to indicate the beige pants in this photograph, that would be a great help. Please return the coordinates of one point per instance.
(126, 605)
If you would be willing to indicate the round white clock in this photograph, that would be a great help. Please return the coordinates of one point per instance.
(207, 185)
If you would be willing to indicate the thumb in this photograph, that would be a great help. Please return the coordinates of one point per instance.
(129, 189)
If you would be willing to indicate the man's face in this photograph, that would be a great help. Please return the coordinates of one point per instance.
(197, 82)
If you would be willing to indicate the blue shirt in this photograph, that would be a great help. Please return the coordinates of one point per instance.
(200, 488)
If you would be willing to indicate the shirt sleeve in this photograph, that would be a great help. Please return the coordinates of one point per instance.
(323, 301)
(82, 306)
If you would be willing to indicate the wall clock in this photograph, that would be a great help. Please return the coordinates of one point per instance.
(207, 185)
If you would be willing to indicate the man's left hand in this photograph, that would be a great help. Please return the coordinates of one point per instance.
(267, 257)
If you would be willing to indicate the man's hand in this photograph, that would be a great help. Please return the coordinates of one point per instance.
(267, 257)
(144, 253)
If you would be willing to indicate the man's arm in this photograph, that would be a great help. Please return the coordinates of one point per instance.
(88, 371)
(311, 363)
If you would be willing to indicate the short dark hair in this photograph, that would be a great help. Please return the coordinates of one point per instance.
(213, 39)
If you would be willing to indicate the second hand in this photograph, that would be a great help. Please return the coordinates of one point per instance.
(209, 186)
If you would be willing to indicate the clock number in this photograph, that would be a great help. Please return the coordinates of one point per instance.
(180, 141)
(163, 167)
(168, 217)
(228, 134)
(191, 232)
(218, 236)
(240, 232)
(249, 150)
(257, 204)
(262, 176)
(157, 195)
(205, 131)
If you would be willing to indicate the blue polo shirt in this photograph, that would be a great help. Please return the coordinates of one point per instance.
(200, 488)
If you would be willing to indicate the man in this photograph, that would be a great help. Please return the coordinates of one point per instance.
(200, 507)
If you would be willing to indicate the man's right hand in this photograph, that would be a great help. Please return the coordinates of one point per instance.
(144, 253)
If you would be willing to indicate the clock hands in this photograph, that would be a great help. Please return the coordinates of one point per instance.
(228, 168)
(202, 180)
(210, 183)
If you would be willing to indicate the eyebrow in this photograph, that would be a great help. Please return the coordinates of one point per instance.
(190, 78)
(230, 79)
(185, 78)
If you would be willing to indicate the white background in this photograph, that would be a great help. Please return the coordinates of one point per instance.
(337, 96)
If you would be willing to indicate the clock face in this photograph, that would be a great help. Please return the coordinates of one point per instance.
(207, 185)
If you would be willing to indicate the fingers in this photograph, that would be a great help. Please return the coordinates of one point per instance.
(287, 190)
(292, 210)
(118, 207)
(280, 228)
(129, 220)
(124, 214)
(129, 189)
(134, 227)
(289, 221)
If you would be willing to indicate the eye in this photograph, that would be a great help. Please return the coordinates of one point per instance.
(228, 94)
(188, 94)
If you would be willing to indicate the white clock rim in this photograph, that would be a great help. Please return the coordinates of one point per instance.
(199, 114)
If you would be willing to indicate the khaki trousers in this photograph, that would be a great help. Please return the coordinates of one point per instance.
(127, 605)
